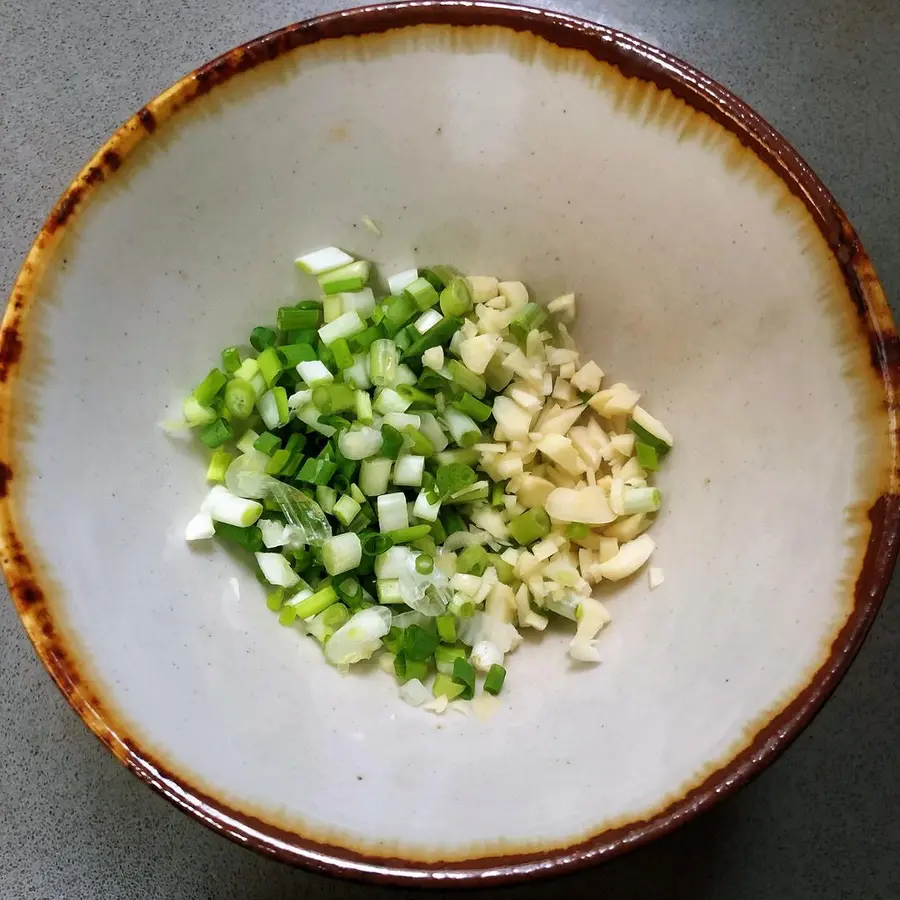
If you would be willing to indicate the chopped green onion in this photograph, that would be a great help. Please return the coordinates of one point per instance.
(343, 358)
(408, 534)
(422, 293)
(363, 408)
(296, 353)
(334, 421)
(375, 475)
(576, 531)
(316, 471)
(249, 538)
(349, 588)
(275, 599)
(393, 640)
(406, 669)
(478, 491)
(473, 560)
(530, 317)
(439, 276)
(493, 682)
(318, 602)
(530, 526)
(247, 369)
(505, 571)
(420, 444)
(389, 401)
(408, 470)
(208, 389)
(245, 444)
(331, 398)
(464, 674)
(466, 379)
(262, 337)
(292, 465)
(640, 500)
(472, 407)
(307, 336)
(310, 416)
(215, 434)
(342, 553)
(382, 362)
(362, 302)
(445, 657)
(452, 522)
(361, 342)
(352, 277)
(327, 622)
(240, 398)
(389, 590)
(404, 338)
(647, 455)
(374, 543)
(326, 497)
(295, 441)
(345, 510)
(435, 336)
(320, 261)
(461, 607)
(427, 320)
(290, 318)
(195, 414)
(273, 407)
(392, 513)
(362, 521)
(218, 466)
(454, 477)
(267, 443)
(391, 441)
(456, 298)
(463, 430)
(279, 459)
(344, 326)
(445, 686)
(418, 644)
(231, 359)
(647, 437)
(468, 457)
(397, 312)
(446, 627)
(497, 376)
(415, 397)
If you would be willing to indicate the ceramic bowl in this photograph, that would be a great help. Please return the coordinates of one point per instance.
(715, 273)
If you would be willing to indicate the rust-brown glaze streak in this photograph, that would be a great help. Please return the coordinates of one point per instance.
(147, 119)
(10, 349)
(111, 160)
(64, 209)
(5, 478)
(632, 58)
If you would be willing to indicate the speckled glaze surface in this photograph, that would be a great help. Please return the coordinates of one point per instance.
(716, 274)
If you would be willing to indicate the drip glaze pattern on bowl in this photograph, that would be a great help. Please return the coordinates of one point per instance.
(715, 272)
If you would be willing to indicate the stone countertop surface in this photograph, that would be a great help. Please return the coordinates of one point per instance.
(821, 823)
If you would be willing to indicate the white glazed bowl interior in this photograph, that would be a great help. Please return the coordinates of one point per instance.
(702, 280)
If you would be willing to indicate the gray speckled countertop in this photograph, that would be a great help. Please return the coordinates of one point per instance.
(821, 823)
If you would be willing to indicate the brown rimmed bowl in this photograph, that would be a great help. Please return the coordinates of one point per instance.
(715, 272)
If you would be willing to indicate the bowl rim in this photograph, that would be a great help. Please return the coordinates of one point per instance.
(633, 57)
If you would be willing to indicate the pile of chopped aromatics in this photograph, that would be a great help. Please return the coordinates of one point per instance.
(425, 474)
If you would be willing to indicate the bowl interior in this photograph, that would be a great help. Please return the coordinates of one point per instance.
(702, 281)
